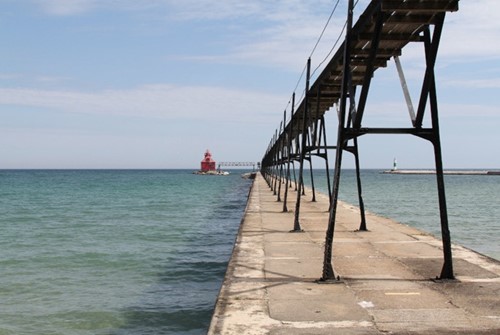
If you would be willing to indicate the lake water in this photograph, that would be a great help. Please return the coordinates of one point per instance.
(121, 252)
(114, 252)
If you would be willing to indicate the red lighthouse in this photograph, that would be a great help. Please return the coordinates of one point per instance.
(207, 164)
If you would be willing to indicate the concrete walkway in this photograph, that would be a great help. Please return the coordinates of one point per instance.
(385, 273)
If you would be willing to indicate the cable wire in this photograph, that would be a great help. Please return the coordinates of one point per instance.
(314, 49)
(324, 28)
(336, 42)
(331, 50)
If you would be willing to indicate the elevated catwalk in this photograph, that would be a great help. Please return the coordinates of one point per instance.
(379, 35)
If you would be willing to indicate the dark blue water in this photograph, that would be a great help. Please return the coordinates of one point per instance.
(114, 252)
(473, 203)
(144, 252)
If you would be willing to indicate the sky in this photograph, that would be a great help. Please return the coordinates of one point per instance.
(155, 83)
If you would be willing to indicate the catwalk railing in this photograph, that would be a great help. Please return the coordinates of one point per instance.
(254, 165)
(379, 35)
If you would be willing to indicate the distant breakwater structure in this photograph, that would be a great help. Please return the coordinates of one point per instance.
(380, 34)
(447, 172)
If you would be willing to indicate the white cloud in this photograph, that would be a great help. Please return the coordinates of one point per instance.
(161, 101)
(283, 33)
(474, 83)
(287, 45)
(469, 35)
(67, 7)
(270, 33)
(469, 111)
(214, 10)
(9, 76)
(289, 30)
(280, 32)
(472, 32)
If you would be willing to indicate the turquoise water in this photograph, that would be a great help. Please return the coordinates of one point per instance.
(144, 252)
(473, 203)
(114, 252)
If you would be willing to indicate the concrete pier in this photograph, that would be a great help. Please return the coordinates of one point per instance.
(385, 286)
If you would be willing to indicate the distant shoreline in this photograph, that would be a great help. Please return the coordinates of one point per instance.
(447, 172)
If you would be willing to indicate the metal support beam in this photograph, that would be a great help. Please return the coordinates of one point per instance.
(328, 273)
(432, 47)
(381, 33)
(369, 70)
(431, 55)
(406, 92)
(274, 163)
(325, 156)
(279, 154)
(289, 154)
(362, 225)
(309, 158)
(296, 223)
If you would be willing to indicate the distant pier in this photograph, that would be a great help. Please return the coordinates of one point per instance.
(386, 275)
(447, 172)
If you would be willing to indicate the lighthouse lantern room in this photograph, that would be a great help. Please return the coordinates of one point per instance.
(207, 164)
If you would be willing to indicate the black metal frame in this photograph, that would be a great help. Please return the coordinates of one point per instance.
(352, 130)
(305, 134)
